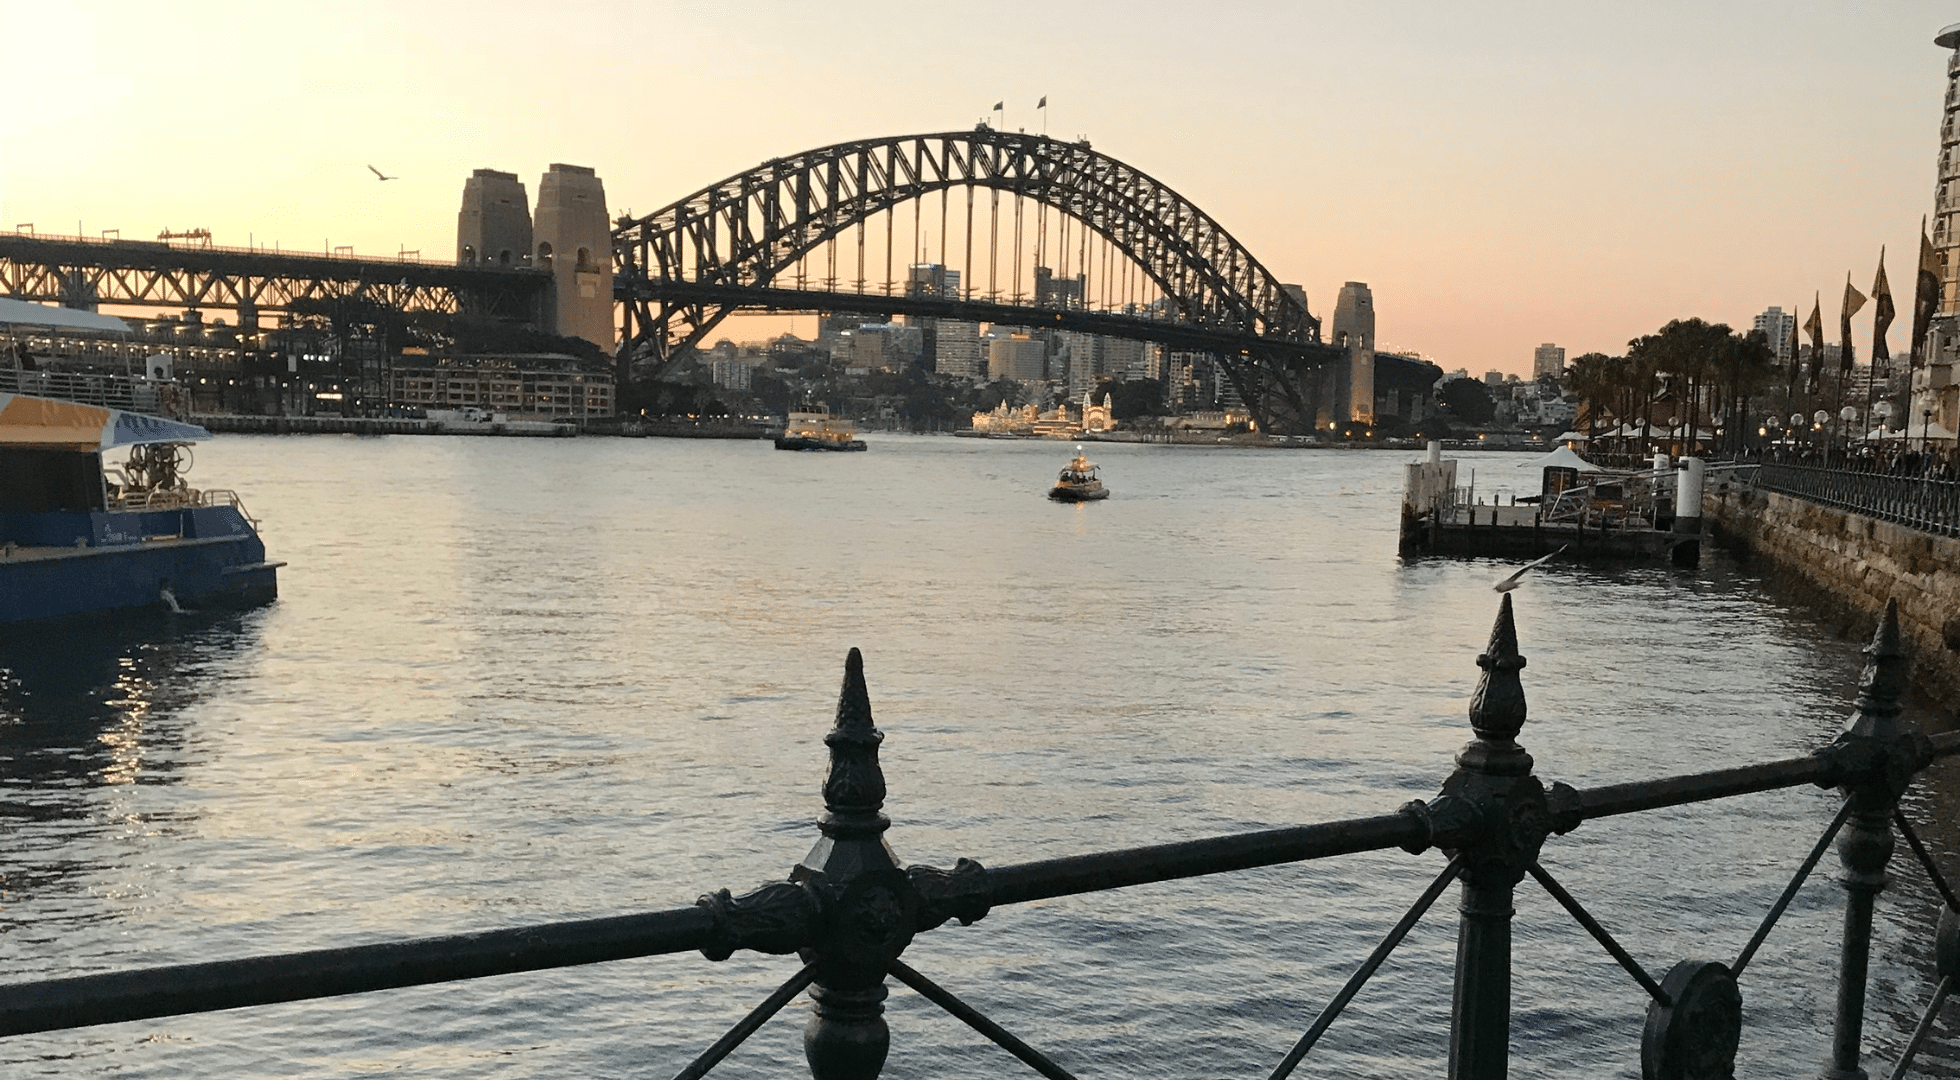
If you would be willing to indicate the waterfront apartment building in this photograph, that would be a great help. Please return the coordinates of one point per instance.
(956, 349)
(1014, 353)
(1547, 362)
(548, 387)
(1776, 325)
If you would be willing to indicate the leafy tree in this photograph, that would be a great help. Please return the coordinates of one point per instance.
(1132, 398)
(1468, 400)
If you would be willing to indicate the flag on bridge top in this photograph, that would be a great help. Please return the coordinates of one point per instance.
(1854, 302)
(1925, 295)
(1043, 103)
(1882, 319)
(1796, 363)
(1815, 327)
(1000, 105)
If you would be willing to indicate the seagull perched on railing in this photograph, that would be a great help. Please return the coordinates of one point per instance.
(379, 175)
(1511, 582)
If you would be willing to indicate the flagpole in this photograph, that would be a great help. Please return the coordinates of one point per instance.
(1846, 355)
(1878, 310)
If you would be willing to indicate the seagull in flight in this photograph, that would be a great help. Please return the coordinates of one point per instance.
(379, 176)
(1511, 582)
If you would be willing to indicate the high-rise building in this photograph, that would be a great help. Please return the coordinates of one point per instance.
(1014, 353)
(932, 279)
(574, 241)
(1946, 194)
(1494, 380)
(1776, 325)
(494, 226)
(957, 349)
(1935, 396)
(1547, 361)
(1053, 292)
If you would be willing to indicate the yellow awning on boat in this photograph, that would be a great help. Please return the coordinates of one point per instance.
(26, 420)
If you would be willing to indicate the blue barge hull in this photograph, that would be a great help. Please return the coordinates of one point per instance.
(217, 560)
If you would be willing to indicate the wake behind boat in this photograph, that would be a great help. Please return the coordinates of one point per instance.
(1078, 482)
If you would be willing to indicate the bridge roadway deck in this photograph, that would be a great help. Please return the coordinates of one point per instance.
(151, 272)
(1176, 335)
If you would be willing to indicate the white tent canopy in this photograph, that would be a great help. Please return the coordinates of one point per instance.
(1573, 436)
(1562, 458)
(15, 313)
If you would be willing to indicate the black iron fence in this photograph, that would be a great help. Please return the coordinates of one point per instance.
(1922, 502)
(849, 909)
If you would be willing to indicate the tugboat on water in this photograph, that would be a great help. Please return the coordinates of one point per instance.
(1078, 482)
(813, 428)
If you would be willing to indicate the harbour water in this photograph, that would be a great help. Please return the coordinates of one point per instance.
(512, 681)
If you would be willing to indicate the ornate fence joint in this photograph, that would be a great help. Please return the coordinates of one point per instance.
(778, 918)
(1512, 819)
(966, 893)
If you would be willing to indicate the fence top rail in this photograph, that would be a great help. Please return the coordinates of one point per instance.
(147, 993)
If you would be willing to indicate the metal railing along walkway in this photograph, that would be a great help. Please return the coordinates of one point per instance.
(849, 910)
(1920, 502)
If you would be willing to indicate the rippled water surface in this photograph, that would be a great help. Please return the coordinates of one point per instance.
(512, 681)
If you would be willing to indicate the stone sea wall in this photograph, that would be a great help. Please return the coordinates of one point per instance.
(1851, 565)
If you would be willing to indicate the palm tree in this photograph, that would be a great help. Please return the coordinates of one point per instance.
(1594, 379)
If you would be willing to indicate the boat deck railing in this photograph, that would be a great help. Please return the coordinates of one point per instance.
(127, 392)
(849, 911)
(140, 500)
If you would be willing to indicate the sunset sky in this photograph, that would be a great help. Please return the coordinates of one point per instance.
(1500, 174)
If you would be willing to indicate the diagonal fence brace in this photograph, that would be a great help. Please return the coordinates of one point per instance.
(1925, 1028)
(943, 998)
(1789, 892)
(747, 1026)
(1368, 967)
(1926, 860)
(1585, 919)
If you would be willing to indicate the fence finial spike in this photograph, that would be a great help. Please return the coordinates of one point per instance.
(854, 701)
(1883, 683)
(854, 790)
(1497, 708)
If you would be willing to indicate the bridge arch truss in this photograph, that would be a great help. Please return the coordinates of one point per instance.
(737, 245)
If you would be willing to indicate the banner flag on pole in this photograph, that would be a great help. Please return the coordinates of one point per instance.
(1854, 302)
(1815, 327)
(1043, 103)
(1796, 362)
(1925, 295)
(1882, 319)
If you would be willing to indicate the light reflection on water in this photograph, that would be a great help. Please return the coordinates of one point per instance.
(514, 681)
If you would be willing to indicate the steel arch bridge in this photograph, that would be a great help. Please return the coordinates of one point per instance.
(1168, 272)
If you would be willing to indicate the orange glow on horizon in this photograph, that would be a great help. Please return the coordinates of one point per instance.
(1499, 177)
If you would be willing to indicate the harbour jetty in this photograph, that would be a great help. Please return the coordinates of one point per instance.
(1578, 507)
(381, 425)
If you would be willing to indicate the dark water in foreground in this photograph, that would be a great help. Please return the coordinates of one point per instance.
(517, 681)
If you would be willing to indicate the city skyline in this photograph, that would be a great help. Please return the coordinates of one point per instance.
(1501, 179)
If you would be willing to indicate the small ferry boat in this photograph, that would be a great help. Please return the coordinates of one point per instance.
(813, 428)
(76, 537)
(1078, 482)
